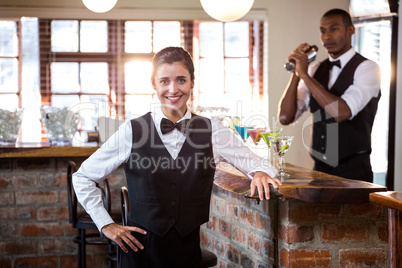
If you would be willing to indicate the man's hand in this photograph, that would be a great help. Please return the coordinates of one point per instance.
(300, 58)
(119, 233)
(261, 181)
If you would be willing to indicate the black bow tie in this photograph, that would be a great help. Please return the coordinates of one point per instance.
(168, 126)
(335, 63)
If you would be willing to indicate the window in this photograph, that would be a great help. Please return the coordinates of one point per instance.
(230, 65)
(10, 68)
(91, 64)
(107, 64)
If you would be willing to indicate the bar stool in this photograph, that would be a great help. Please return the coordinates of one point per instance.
(208, 258)
(83, 222)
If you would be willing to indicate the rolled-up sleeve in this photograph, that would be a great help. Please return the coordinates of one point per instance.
(366, 85)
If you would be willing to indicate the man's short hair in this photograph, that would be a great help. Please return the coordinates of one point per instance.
(347, 20)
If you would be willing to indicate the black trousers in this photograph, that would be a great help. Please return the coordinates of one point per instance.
(169, 251)
(356, 167)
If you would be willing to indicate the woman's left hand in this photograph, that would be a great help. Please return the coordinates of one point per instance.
(261, 181)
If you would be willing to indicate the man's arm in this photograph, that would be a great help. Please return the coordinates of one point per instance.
(333, 105)
(288, 102)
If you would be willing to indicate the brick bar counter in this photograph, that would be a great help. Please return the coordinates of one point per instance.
(313, 220)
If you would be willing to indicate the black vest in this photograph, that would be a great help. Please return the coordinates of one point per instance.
(332, 142)
(166, 192)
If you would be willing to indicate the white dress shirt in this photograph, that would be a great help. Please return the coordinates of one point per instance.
(366, 84)
(116, 151)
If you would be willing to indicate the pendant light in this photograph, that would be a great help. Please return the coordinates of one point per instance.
(99, 6)
(227, 10)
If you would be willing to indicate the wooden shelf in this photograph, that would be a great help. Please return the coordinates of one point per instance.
(43, 149)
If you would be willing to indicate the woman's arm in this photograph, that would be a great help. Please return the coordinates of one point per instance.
(230, 148)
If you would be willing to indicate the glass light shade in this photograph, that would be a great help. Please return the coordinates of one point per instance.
(227, 10)
(99, 6)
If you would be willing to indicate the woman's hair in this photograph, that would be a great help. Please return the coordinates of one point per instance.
(171, 55)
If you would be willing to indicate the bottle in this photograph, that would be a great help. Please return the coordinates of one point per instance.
(311, 55)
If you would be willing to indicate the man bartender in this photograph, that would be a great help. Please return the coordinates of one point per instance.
(342, 93)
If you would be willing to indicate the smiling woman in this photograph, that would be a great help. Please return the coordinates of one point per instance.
(173, 81)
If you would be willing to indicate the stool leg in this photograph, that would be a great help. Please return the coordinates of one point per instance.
(82, 249)
(110, 253)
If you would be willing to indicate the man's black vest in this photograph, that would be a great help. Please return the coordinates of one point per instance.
(166, 192)
(350, 136)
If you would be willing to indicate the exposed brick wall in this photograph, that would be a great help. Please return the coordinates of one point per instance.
(241, 233)
(34, 227)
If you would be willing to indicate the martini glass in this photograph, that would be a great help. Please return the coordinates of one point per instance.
(265, 136)
(242, 131)
(280, 145)
(255, 136)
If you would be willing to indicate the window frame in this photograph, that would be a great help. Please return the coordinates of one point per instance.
(116, 57)
(19, 59)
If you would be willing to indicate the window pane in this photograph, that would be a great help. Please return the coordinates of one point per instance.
(137, 105)
(237, 76)
(211, 39)
(166, 34)
(8, 39)
(9, 102)
(138, 37)
(65, 77)
(138, 77)
(211, 76)
(93, 36)
(94, 77)
(62, 101)
(8, 75)
(89, 117)
(64, 36)
(236, 39)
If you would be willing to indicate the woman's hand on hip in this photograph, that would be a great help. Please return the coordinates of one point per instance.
(119, 233)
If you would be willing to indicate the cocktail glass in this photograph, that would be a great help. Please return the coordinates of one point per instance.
(254, 133)
(242, 131)
(280, 145)
(265, 136)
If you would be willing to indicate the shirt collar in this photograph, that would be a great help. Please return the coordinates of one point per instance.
(157, 115)
(345, 57)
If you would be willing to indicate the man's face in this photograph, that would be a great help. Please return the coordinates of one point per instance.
(335, 36)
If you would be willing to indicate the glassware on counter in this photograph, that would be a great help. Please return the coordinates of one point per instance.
(280, 145)
(60, 124)
(10, 125)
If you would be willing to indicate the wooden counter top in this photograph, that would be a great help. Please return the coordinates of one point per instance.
(43, 149)
(304, 184)
(388, 199)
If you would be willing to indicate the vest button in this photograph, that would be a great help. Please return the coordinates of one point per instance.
(173, 202)
(322, 136)
(172, 219)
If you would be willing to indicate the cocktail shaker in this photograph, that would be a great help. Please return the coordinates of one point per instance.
(311, 55)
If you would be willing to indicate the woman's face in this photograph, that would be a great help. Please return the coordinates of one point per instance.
(173, 86)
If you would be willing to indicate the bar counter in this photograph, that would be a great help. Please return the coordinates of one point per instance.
(304, 184)
(313, 220)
